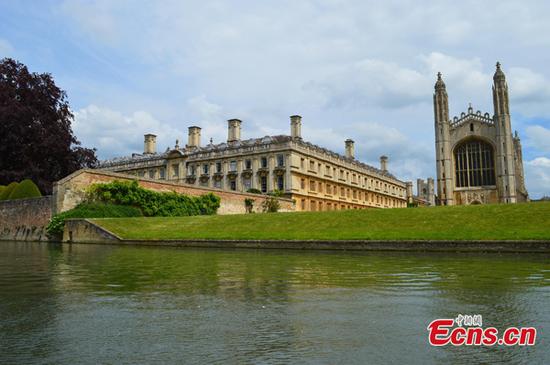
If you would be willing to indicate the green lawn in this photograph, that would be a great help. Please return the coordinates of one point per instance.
(478, 222)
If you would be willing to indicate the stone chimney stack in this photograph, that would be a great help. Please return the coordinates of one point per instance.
(194, 139)
(350, 148)
(384, 163)
(149, 144)
(296, 126)
(233, 130)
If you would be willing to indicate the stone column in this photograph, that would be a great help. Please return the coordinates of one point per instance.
(288, 174)
(239, 179)
(271, 166)
(255, 163)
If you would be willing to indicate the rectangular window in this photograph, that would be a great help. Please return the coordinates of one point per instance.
(233, 166)
(151, 174)
(280, 160)
(233, 185)
(162, 173)
(302, 163)
(280, 183)
(303, 183)
(247, 183)
(312, 165)
(248, 164)
(312, 185)
(175, 170)
(263, 184)
(191, 170)
(218, 184)
(263, 162)
(218, 167)
(205, 169)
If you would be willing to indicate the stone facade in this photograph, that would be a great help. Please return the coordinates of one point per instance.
(25, 219)
(314, 177)
(478, 159)
(70, 191)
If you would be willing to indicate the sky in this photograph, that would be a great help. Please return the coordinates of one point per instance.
(352, 69)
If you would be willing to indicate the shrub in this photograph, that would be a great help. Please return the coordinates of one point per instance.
(271, 205)
(2, 187)
(276, 193)
(249, 205)
(152, 203)
(4, 195)
(253, 191)
(25, 189)
(55, 228)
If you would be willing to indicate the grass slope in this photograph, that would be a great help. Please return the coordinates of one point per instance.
(479, 222)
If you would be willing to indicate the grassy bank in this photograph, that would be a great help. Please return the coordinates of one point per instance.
(480, 222)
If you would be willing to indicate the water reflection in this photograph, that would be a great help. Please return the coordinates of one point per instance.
(107, 304)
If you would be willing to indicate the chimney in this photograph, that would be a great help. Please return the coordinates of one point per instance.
(384, 163)
(149, 144)
(350, 148)
(296, 126)
(233, 130)
(194, 139)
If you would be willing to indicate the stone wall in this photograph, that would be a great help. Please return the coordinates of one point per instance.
(25, 219)
(70, 191)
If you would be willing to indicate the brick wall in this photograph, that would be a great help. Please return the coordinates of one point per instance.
(71, 190)
(25, 219)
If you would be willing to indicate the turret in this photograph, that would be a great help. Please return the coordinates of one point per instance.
(505, 164)
(442, 142)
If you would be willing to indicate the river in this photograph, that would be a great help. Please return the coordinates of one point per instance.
(94, 304)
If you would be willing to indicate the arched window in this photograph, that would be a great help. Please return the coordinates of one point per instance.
(474, 164)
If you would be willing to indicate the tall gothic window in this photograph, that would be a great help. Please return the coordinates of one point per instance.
(474, 164)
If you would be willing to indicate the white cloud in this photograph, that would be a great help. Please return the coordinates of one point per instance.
(537, 177)
(115, 134)
(538, 137)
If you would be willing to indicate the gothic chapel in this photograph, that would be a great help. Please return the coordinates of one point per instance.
(478, 159)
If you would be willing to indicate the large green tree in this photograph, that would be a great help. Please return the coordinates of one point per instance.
(36, 139)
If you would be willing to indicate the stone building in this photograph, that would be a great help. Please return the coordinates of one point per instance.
(425, 191)
(316, 178)
(478, 158)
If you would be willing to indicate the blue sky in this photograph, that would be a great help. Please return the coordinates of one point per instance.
(353, 69)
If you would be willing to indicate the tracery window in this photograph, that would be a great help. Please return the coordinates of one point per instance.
(474, 164)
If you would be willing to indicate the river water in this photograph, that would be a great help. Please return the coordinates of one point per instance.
(93, 304)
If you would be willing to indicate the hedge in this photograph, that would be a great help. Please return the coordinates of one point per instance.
(25, 189)
(4, 195)
(152, 203)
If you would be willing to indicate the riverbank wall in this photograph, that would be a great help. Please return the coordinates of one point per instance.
(25, 219)
(82, 231)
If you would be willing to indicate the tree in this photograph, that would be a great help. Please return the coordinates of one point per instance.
(36, 139)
